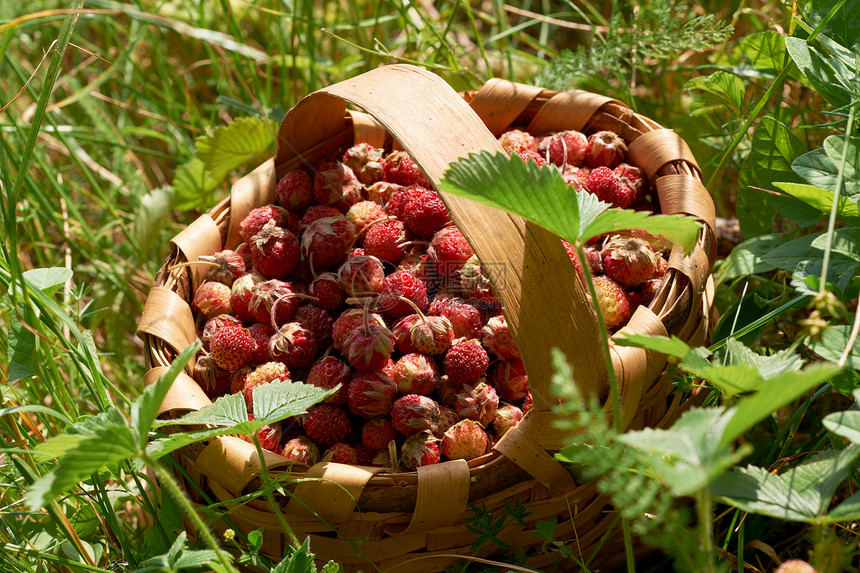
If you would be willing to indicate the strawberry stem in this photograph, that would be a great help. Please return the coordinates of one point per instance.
(192, 263)
(269, 485)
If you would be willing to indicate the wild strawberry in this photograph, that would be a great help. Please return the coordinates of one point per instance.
(263, 374)
(633, 179)
(241, 293)
(327, 424)
(564, 148)
(414, 413)
(648, 290)
(447, 391)
(527, 404)
(425, 218)
(466, 362)
(237, 380)
(261, 334)
(465, 319)
(376, 433)
(662, 265)
(592, 256)
(605, 149)
(449, 251)
(295, 191)
(363, 454)
(231, 347)
(274, 301)
(350, 320)
(332, 181)
(635, 300)
(510, 380)
(401, 169)
(214, 380)
(274, 251)
(270, 437)
(506, 418)
(440, 302)
(517, 140)
(415, 265)
(326, 241)
(366, 162)
(216, 323)
(384, 240)
(363, 214)
(224, 266)
(340, 453)
(317, 320)
(328, 292)
(327, 373)
(401, 202)
(447, 418)
(302, 450)
(382, 192)
(371, 395)
(361, 276)
(478, 402)
(420, 449)
(318, 212)
(369, 347)
(529, 155)
(293, 345)
(465, 440)
(402, 285)
(497, 338)
(606, 187)
(475, 286)
(254, 222)
(613, 302)
(629, 261)
(424, 334)
(415, 374)
(575, 177)
(212, 298)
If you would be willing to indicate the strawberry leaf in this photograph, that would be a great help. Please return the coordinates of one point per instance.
(232, 145)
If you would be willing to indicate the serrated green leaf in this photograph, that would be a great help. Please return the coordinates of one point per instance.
(823, 72)
(822, 200)
(848, 510)
(300, 560)
(151, 216)
(229, 410)
(279, 400)
(48, 280)
(678, 229)
(802, 493)
(768, 367)
(672, 346)
(161, 447)
(732, 379)
(231, 146)
(719, 92)
(193, 184)
(833, 342)
(763, 51)
(106, 445)
(22, 344)
(773, 395)
(145, 409)
(748, 257)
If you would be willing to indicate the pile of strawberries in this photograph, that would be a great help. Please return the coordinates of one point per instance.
(357, 279)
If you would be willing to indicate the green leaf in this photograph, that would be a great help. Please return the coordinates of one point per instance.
(279, 400)
(820, 167)
(106, 445)
(732, 380)
(848, 211)
(193, 184)
(764, 51)
(48, 280)
(720, 92)
(821, 71)
(844, 25)
(772, 151)
(773, 395)
(846, 242)
(22, 344)
(678, 229)
(690, 454)
(748, 257)
(804, 256)
(161, 447)
(672, 346)
(229, 410)
(233, 145)
(299, 560)
(833, 342)
(145, 409)
(151, 216)
(845, 424)
(768, 367)
(848, 510)
(802, 493)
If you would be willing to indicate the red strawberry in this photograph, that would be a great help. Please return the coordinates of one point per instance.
(605, 149)
(506, 418)
(261, 333)
(420, 449)
(401, 202)
(302, 450)
(295, 191)
(270, 437)
(465, 319)
(497, 338)
(254, 222)
(327, 373)
(332, 181)
(401, 169)
(274, 301)
(603, 183)
(224, 266)
(371, 395)
(237, 381)
(328, 292)
(361, 276)
(348, 321)
(631, 178)
(402, 284)
(318, 212)
(366, 162)
(382, 192)
(215, 324)
(629, 261)
(425, 218)
(564, 148)
(613, 302)
(326, 241)
(465, 440)
(214, 380)
(293, 345)
(416, 373)
(449, 251)
(414, 413)
(212, 298)
(241, 293)
(425, 334)
(447, 418)
(369, 347)
(527, 404)
(231, 347)
(476, 287)
(662, 265)
(478, 402)
(383, 240)
(648, 290)
(341, 453)
(327, 424)
(529, 155)
(263, 374)
(516, 140)
(274, 251)
(575, 177)
(376, 433)
(466, 362)
(317, 320)
(363, 214)
(510, 380)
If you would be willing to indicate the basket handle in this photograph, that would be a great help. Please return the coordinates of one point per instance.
(542, 299)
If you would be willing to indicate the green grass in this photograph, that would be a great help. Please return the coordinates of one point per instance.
(104, 101)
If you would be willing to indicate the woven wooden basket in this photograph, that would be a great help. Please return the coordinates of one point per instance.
(362, 515)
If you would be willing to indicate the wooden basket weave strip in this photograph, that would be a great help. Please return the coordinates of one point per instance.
(399, 515)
